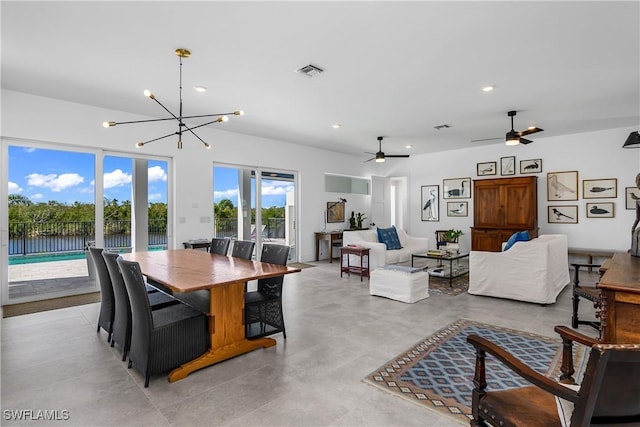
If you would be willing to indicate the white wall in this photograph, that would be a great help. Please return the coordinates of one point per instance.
(594, 155)
(37, 118)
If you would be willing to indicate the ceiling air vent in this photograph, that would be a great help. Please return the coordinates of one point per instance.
(310, 70)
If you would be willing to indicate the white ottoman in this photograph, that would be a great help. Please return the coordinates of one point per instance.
(399, 283)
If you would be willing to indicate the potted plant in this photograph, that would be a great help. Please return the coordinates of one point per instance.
(451, 237)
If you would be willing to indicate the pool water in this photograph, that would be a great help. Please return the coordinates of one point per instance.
(65, 256)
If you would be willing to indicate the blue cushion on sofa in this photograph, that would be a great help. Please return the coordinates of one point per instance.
(521, 236)
(389, 236)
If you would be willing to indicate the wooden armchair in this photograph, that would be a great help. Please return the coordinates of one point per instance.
(609, 393)
(590, 293)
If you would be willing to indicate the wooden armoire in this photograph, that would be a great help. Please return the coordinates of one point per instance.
(502, 206)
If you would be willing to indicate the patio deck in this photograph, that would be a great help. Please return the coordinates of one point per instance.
(28, 280)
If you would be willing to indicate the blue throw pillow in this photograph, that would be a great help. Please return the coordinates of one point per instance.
(521, 236)
(389, 236)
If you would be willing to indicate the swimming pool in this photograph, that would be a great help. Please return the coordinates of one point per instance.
(59, 256)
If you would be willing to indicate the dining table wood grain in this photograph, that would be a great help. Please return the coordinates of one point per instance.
(189, 270)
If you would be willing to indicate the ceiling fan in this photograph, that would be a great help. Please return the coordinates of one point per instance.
(380, 156)
(514, 137)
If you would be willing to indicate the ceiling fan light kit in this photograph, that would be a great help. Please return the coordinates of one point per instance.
(380, 157)
(182, 127)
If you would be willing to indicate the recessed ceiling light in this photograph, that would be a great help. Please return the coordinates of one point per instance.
(488, 88)
(336, 126)
(408, 146)
(200, 88)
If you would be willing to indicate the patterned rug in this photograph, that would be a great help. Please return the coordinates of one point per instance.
(441, 286)
(438, 372)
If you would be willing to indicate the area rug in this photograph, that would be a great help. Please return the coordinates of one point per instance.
(49, 304)
(437, 372)
(300, 265)
(441, 286)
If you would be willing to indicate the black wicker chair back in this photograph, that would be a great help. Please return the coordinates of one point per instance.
(243, 249)
(162, 339)
(219, 246)
(263, 307)
(107, 301)
(122, 320)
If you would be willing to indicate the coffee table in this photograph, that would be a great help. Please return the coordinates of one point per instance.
(460, 270)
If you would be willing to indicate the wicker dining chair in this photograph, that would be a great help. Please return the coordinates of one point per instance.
(243, 249)
(122, 319)
(264, 305)
(161, 340)
(107, 300)
(219, 246)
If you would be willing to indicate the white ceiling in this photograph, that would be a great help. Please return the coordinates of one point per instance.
(395, 69)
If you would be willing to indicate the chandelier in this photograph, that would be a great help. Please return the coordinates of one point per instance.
(182, 127)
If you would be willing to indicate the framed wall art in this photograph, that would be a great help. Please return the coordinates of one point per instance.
(487, 168)
(600, 210)
(457, 209)
(562, 185)
(632, 194)
(429, 202)
(562, 214)
(600, 188)
(508, 165)
(531, 166)
(335, 211)
(456, 188)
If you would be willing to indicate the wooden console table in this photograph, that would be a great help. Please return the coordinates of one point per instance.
(620, 299)
(346, 267)
(331, 236)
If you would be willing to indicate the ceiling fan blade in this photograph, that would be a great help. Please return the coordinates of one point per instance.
(369, 152)
(530, 131)
(373, 158)
(397, 155)
(525, 141)
(487, 139)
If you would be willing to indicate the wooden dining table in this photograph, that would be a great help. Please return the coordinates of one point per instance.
(189, 270)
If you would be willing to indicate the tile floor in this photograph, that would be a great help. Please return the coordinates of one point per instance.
(337, 334)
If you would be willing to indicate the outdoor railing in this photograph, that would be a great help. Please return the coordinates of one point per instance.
(72, 236)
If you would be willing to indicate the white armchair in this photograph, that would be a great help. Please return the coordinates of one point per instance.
(534, 271)
(378, 254)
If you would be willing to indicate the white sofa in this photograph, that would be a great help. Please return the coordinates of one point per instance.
(533, 271)
(378, 253)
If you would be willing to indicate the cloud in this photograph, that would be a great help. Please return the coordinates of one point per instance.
(14, 188)
(29, 149)
(116, 178)
(55, 183)
(226, 194)
(154, 196)
(36, 196)
(274, 190)
(156, 173)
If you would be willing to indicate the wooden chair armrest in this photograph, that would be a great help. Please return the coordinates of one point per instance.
(575, 336)
(482, 345)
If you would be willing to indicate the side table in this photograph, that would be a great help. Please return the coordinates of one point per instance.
(197, 244)
(346, 267)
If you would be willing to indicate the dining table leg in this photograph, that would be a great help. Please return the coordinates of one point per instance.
(226, 330)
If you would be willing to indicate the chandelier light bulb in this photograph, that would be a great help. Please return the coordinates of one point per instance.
(139, 145)
(108, 124)
(224, 119)
(207, 145)
(148, 94)
(239, 113)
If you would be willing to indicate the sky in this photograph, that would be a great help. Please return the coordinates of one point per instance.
(44, 175)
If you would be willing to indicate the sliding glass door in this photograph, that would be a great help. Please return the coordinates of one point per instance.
(255, 204)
